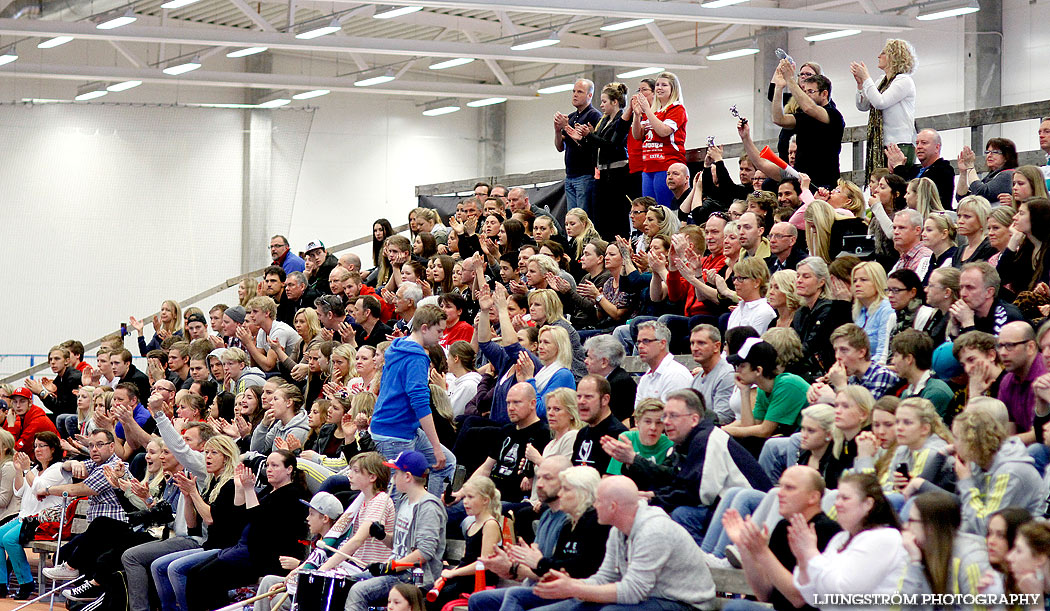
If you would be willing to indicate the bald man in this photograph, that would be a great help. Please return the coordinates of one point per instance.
(650, 561)
(768, 565)
(1023, 364)
(782, 251)
(931, 165)
(678, 183)
(351, 262)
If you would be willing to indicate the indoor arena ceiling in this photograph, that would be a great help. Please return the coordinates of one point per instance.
(466, 49)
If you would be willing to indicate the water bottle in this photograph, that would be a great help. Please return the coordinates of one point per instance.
(782, 54)
(417, 577)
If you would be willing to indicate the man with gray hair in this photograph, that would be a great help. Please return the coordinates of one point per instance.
(715, 377)
(604, 355)
(580, 153)
(819, 314)
(907, 240)
(408, 296)
(282, 255)
(297, 293)
(665, 374)
(931, 165)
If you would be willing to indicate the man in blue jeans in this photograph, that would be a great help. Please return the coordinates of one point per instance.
(581, 154)
(402, 420)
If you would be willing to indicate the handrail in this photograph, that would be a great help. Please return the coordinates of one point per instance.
(218, 288)
(974, 119)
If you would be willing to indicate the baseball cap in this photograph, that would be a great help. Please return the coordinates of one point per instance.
(944, 365)
(236, 314)
(325, 504)
(410, 462)
(755, 352)
(197, 318)
(315, 245)
(23, 392)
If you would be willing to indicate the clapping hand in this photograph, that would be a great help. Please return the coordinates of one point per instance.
(860, 73)
(587, 290)
(802, 537)
(967, 158)
(867, 444)
(894, 156)
(187, 483)
(524, 369)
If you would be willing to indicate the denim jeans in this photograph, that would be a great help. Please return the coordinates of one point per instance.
(170, 574)
(372, 591)
(579, 192)
(390, 447)
(779, 453)
(67, 425)
(15, 553)
(1040, 453)
(138, 562)
(744, 501)
(654, 185)
(680, 328)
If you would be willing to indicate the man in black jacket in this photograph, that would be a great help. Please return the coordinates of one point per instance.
(819, 314)
(784, 255)
(321, 263)
(125, 371)
(59, 395)
(690, 479)
(604, 355)
(931, 165)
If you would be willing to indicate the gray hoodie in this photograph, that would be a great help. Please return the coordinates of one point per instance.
(426, 533)
(969, 562)
(1011, 481)
(659, 559)
(251, 376)
(262, 438)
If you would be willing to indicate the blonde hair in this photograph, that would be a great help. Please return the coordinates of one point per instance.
(754, 268)
(982, 435)
(877, 273)
(927, 414)
(980, 208)
(7, 446)
(589, 232)
(901, 55)
(820, 217)
(249, 285)
(862, 398)
(561, 340)
(486, 488)
(551, 303)
(821, 413)
(175, 326)
(926, 198)
(313, 324)
(567, 399)
(943, 222)
(349, 353)
(676, 90)
(784, 280)
(652, 404)
(585, 481)
(225, 446)
(856, 197)
(787, 344)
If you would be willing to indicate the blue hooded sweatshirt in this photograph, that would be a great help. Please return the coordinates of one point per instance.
(404, 391)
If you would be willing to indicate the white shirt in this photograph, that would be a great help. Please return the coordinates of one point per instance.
(897, 104)
(669, 376)
(52, 476)
(461, 390)
(872, 564)
(281, 332)
(757, 314)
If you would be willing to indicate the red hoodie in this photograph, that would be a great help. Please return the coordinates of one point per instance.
(679, 289)
(27, 426)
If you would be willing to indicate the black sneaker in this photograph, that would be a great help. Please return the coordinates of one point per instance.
(733, 556)
(85, 592)
(25, 591)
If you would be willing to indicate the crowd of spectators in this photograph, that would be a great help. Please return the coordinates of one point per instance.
(843, 388)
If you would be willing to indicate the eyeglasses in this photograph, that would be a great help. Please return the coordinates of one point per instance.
(780, 235)
(895, 291)
(646, 342)
(99, 445)
(666, 416)
(991, 152)
(1011, 345)
(637, 212)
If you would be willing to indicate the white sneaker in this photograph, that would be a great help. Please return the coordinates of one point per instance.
(715, 562)
(62, 572)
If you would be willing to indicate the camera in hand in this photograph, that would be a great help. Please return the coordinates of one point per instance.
(161, 513)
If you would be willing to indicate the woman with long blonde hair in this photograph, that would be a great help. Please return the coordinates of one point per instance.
(661, 125)
(872, 310)
(921, 195)
(820, 217)
(891, 102)
(580, 229)
(166, 324)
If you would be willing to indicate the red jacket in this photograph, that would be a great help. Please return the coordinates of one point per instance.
(27, 426)
(678, 289)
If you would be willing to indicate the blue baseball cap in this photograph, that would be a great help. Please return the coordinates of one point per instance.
(410, 462)
(944, 364)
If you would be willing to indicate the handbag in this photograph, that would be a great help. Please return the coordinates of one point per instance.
(44, 525)
(861, 246)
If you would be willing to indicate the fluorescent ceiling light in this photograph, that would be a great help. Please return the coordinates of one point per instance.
(943, 10)
(624, 25)
(123, 86)
(451, 63)
(375, 80)
(116, 22)
(90, 95)
(720, 3)
(397, 12)
(51, 43)
(535, 41)
(485, 102)
(9, 55)
(557, 88)
(275, 103)
(639, 72)
(246, 52)
(182, 67)
(732, 54)
(306, 95)
(174, 4)
(832, 35)
(440, 110)
(318, 31)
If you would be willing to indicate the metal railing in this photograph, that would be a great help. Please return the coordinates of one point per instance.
(34, 367)
(976, 120)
